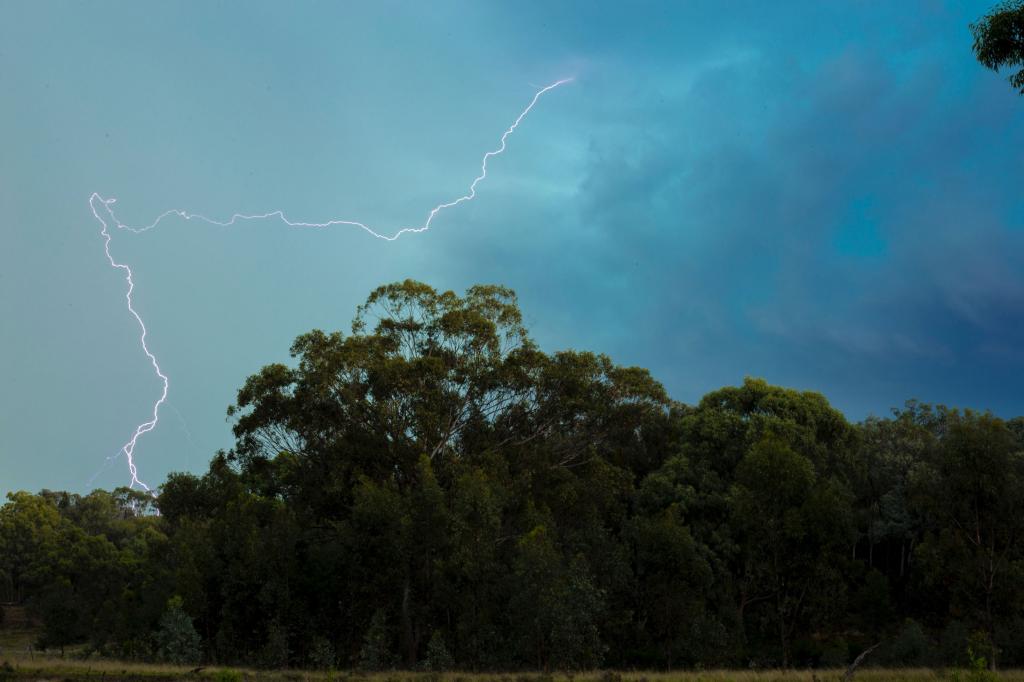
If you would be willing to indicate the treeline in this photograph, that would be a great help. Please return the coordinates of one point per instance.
(434, 491)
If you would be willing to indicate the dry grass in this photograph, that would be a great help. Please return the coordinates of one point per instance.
(19, 662)
(46, 667)
(16, 640)
(17, 631)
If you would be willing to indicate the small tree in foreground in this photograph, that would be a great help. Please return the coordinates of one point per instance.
(376, 652)
(439, 659)
(177, 640)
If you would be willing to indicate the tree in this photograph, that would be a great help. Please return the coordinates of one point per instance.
(556, 606)
(177, 640)
(434, 366)
(999, 39)
(714, 438)
(674, 579)
(433, 491)
(972, 496)
(728, 422)
(888, 453)
(474, 566)
(438, 659)
(376, 653)
(29, 536)
(369, 439)
(794, 528)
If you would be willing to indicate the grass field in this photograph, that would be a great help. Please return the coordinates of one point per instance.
(46, 667)
(19, 662)
(13, 641)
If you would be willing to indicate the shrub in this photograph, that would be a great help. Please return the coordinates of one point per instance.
(376, 652)
(321, 654)
(978, 671)
(954, 643)
(225, 675)
(275, 652)
(177, 640)
(911, 646)
(438, 657)
(835, 654)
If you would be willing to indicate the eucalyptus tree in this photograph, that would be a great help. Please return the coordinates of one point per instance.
(999, 40)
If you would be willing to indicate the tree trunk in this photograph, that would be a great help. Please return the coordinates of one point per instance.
(783, 640)
(857, 661)
(408, 640)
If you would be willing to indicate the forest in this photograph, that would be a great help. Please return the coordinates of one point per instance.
(433, 491)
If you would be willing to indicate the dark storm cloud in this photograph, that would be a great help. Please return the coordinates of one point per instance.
(851, 229)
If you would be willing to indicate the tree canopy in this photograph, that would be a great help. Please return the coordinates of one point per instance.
(432, 490)
(999, 40)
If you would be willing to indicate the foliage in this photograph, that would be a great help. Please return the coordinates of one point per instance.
(432, 491)
(376, 652)
(999, 39)
(438, 657)
(321, 654)
(176, 639)
(977, 672)
(225, 675)
(909, 647)
(275, 651)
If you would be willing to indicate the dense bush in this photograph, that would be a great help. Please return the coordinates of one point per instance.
(176, 639)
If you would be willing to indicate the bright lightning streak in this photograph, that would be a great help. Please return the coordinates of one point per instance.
(145, 427)
(330, 223)
(104, 205)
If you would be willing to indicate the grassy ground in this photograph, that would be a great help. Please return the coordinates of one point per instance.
(39, 667)
(19, 662)
(16, 640)
(17, 632)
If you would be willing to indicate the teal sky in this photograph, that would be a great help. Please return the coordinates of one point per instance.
(826, 195)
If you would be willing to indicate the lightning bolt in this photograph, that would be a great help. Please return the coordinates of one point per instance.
(99, 206)
(147, 426)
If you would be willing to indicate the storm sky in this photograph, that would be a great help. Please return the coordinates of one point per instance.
(823, 194)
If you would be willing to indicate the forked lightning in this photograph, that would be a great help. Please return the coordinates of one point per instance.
(101, 209)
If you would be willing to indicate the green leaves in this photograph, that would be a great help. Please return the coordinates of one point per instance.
(432, 490)
(999, 40)
(176, 639)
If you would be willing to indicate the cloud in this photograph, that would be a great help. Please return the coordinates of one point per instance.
(798, 223)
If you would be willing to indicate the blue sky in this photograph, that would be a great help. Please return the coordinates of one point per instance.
(826, 195)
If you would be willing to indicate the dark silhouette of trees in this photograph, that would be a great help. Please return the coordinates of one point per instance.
(432, 490)
(999, 40)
